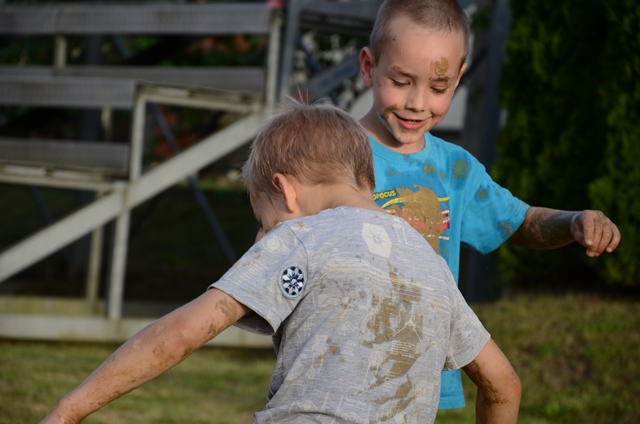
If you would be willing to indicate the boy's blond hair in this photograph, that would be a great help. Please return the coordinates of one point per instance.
(317, 144)
(440, 16)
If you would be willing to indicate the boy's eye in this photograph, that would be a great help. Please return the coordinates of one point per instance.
(438, 90)
(399, 83)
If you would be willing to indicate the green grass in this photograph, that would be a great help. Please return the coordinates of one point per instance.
(214, 385)
(576, 354)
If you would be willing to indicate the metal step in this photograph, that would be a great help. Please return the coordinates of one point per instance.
(157, 19)
(111, 159)
(347, 17)
(50, 91)
(245, 79)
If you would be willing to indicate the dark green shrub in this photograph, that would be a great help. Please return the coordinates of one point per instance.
(571, 141)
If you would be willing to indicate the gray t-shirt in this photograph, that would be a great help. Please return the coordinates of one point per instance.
(364, 317)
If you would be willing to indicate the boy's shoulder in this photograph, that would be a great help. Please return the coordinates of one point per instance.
(436, 143)
(345, 224)
(342, 223)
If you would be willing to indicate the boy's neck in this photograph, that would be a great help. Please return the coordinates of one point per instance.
(313, 200)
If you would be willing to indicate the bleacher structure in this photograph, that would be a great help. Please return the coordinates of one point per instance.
(113, 170)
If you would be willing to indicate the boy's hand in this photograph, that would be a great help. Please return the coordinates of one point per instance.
(595, 231)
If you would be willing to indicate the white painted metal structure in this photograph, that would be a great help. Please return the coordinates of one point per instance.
(118, 188)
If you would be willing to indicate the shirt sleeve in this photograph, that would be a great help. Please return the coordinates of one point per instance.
(256, 280)
(468, 335)
(491, 213)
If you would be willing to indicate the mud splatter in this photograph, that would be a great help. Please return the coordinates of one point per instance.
(395, 324)
(229, 311)
(440, 68)
(482, 194)
(506, 229)
(460, 169)
(430, 169)
(388, 111)
(492, 396)
(401, 396)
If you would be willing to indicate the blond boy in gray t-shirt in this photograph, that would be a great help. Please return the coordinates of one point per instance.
(362, 324)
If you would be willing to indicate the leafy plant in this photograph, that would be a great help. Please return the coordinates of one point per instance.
(571, 141)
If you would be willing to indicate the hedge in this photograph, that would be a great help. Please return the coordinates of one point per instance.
(572, 137)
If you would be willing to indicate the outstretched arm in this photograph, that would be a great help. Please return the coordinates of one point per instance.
(550, 228)
(499, 388)
(155, 349)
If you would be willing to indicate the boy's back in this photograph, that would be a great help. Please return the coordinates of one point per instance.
(371, 327)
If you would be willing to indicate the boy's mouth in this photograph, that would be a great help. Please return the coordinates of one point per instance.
(411, 123)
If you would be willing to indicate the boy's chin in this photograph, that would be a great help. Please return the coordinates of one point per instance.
(409, 145)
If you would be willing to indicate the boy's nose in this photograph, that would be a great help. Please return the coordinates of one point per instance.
(417, 101)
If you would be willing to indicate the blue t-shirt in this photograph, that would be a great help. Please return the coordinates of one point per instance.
(449, 198)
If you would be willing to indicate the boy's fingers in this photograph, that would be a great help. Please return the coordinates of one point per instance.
(600, 234)
(615, 239)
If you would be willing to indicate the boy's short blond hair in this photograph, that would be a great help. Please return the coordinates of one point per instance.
(317, 144)
(440, 16)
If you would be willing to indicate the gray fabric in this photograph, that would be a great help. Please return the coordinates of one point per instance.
(377, 322)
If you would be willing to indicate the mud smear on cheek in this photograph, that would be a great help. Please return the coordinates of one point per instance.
(388, 111)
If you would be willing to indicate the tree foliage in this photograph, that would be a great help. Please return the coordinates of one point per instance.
(572, 139)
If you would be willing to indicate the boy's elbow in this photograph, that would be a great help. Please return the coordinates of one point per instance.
(513, 388)
(504, 391)
(510, 387)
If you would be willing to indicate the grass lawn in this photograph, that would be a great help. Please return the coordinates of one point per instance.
(576, 354)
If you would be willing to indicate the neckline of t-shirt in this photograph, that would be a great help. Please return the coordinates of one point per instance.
(348, 210)
(380, 149)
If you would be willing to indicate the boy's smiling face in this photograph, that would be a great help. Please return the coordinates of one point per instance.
(413, 84)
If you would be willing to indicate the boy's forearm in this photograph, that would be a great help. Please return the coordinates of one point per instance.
(152, 351)
(146, 355)
(550, 228)
(545, 228)
(499, 388)
(492, 410)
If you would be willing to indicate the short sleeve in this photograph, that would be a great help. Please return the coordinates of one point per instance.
(468, 335)
(491, 213)
(270, 279)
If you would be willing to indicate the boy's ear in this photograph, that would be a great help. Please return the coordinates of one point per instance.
(286, 186)
(367, 63)
(462, 69)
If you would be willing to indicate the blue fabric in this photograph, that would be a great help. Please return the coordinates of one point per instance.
(447, 195)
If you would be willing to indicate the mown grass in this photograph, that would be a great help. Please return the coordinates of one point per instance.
(214, 385)
(576, 354)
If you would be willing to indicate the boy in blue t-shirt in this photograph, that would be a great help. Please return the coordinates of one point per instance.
(413, 65)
